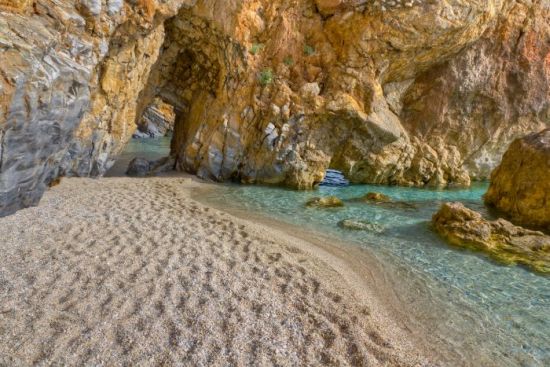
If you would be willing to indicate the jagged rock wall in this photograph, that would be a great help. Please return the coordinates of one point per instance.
(399, 92)
(61, 63)
(425, 94)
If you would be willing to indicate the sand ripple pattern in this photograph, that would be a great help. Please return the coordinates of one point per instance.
(132, 272)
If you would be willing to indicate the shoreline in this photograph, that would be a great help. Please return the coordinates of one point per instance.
(438, 315)
(364, 272)
(123, 270)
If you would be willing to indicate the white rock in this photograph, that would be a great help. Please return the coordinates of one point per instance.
(310, 90)
(93, 6)
(114, 6)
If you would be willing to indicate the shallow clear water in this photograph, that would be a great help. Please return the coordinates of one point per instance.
(482, 312)
(148, 148)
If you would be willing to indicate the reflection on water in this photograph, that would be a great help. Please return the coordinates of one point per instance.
(482, 312)
(148, 148)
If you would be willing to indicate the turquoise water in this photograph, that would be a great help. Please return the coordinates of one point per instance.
(477, 311)
(148, 148)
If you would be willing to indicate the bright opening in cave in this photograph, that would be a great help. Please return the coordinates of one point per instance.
(151, 141)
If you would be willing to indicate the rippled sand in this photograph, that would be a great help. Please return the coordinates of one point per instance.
(126, 271)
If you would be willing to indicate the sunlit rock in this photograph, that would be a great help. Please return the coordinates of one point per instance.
(520, 186)
(500, 239)
(415, 94)
(375, 197)
(325, 202)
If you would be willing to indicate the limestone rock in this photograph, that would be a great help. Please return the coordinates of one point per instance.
(114, 6)
(500, 239)
(328, 7)
(92, 6)
(417, 93)
(157, 120)
(375, 197)
(379, 199)
(520, 186)
(325, 202)
(18, 6)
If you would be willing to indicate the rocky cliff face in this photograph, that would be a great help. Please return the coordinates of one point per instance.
(520, 186)
(414, 92)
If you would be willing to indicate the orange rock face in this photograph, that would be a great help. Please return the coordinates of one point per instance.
(520, 186)
(19, 6)
(270, 91)
(328, 7)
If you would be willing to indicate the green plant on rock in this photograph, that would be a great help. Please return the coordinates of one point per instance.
(256, 48)
(309, 50)
(266, 77)
(288, 61)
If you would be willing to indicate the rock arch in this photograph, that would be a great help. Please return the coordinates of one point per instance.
(271, 91)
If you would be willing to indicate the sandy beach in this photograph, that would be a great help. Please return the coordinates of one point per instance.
(123, 271)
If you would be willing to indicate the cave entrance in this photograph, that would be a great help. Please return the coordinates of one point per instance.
(187, 73)
(151, 141)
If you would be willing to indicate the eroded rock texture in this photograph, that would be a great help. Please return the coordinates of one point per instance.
(272, 91)
(500, 239)
(520, 186)
(157, 120)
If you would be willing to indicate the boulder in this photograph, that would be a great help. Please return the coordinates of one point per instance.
(520, 186)
(139, 167)
(500, 239)
(325, 202)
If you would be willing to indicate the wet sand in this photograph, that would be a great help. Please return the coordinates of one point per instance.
(124, 271)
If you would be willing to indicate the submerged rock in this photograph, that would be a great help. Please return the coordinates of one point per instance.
(500, 239)
(385, 201)
(375, 197)
(520, 186)
(361, 225)
(325, 202)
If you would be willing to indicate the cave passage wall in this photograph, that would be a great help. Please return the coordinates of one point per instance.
(417, 93)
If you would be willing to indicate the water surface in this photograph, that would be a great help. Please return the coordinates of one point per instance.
(148, 148)
(481, 312)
